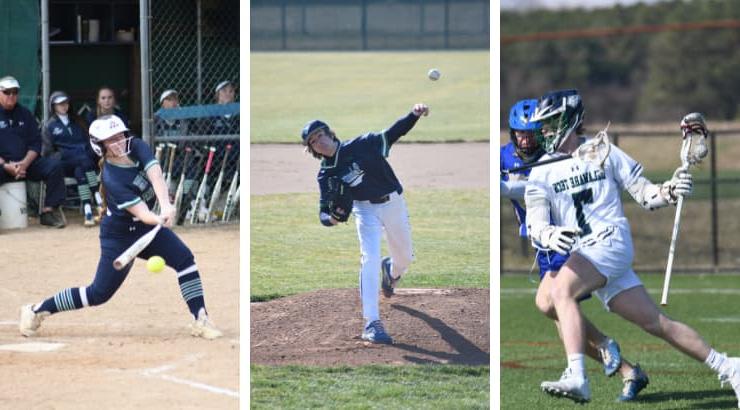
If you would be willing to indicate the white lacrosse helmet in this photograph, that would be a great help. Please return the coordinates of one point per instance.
(106, 127)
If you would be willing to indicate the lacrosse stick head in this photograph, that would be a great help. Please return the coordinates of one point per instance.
(561, 114)
(694, 133)
(595, 150)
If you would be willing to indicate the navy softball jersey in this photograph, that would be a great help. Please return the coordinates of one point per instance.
(125, 187)
(361, 163)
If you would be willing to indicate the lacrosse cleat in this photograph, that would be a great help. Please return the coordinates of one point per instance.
(375, 333)
(389, 282)
(571, 386)
(730, 373)
(633, 384)
(610, 356)
(203, 327)
(30, 320)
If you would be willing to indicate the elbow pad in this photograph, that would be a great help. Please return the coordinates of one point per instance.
(325, 219)
(650, 196)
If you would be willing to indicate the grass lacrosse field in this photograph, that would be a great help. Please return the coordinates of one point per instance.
(292, 253)
(357, 92)
(531, 351)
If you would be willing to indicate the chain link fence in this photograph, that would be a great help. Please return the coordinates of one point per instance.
(708, 233)
(194, 65)
(369, 24)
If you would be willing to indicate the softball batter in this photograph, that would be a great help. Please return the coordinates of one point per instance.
(378, 206)
(131, 182)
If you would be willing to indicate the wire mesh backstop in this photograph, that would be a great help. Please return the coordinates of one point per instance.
(194, 66)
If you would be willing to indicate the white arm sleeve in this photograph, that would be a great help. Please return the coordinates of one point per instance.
(538, 210)
(513, 189)
(647, 194)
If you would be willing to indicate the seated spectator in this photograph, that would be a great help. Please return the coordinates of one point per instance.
(226, 124)
(65, 138)
(165, 128)
(105, 104)
(20, 146)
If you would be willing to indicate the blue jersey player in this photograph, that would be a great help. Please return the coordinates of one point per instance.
(379, 206)
(524, 149)
(131, 182)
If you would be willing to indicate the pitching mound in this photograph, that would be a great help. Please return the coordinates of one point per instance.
(323, 328)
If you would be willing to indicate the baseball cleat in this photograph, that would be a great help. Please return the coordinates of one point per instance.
(375, 333)
(30, 320)
(633, 384)
(570, 386)
(389, 283)
(730, 373)
(202, 327)
(610, 356)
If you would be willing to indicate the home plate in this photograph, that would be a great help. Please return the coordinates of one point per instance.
(32, 347)
(409, 291)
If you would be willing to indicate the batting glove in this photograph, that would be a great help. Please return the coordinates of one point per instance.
(681, 184)
(559, 238)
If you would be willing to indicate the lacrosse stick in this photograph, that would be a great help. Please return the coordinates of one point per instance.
(692, 152)
(595, 150)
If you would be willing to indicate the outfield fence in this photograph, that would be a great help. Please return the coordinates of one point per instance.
(193, 48)
(369, 24)
(708, 239)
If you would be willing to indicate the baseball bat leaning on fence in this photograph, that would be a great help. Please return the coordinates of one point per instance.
(231, 197)
(234, 203)
(181, 183)
(168, 176)
(202, 188)
(187, 193)
(129, 254)
(217, 188)
(690, 124)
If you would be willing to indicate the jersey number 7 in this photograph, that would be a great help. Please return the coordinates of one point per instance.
(579, 199)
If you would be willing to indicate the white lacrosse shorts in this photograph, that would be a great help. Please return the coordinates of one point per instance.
(612, 257)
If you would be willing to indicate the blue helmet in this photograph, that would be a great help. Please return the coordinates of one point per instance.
(520, 119)
(561, 113)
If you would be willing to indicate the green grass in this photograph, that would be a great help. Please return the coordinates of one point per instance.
(370, 387)
(531, 351)
(357, 92)
(291, 252)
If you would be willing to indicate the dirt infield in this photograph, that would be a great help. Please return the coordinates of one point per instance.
(283, 168)
(132, 352)
(323, 328)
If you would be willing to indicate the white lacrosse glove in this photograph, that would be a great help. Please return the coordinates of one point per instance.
(559, 238)
(681, 184)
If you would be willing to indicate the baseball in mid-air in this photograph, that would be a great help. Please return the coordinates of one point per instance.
(434, 74)
(155, 264)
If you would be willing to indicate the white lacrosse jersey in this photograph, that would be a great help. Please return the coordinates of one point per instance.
(583, 194)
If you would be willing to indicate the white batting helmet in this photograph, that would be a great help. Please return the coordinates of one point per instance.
(104, 128)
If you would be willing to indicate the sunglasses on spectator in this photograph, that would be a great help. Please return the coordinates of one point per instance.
(13, 91)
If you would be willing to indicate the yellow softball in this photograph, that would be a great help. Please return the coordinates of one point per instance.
(155, 264)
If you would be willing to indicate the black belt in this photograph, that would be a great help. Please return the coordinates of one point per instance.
(383, 199)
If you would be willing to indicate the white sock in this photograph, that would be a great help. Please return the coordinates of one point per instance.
(576, 364)
(715, 360)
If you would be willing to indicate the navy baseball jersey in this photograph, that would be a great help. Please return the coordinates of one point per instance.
(510, 160)
(19, 133)
(126, 186)
(362, 165)
(70, 139)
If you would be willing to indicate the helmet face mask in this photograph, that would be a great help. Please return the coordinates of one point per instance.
(109, 128)
(522, 130)
(561, 114)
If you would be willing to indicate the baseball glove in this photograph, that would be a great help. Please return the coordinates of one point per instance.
(339, 199)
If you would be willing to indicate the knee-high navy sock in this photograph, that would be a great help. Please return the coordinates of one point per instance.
(191, 289)
(67, 299)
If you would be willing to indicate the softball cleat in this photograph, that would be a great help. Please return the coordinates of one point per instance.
(203, 327)
(570, 386)
(30, 320)
(633, 384)
(730, 373)
(611, 356)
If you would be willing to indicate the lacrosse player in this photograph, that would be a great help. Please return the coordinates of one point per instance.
(131, 182)
(574, 206)
(524, 149)
(376, 200)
